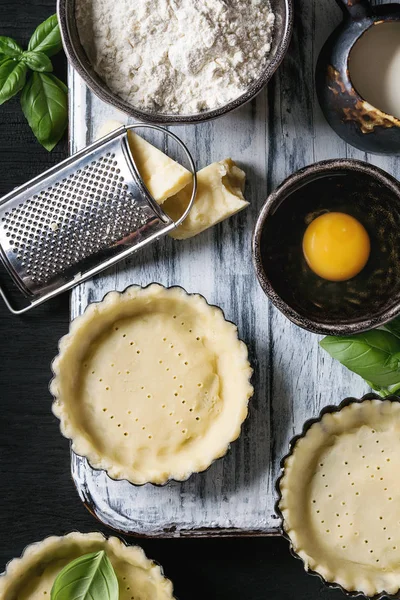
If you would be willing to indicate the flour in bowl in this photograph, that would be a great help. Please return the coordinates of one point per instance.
(176, 56)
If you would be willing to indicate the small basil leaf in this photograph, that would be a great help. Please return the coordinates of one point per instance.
(86, 578)
(37, 61)
(44, 102)
(9, 47)
(47, 37)
(12, 78)
(373, 355)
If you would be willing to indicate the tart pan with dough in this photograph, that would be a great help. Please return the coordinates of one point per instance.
(31, 577)
(340, 497)
(151, 384)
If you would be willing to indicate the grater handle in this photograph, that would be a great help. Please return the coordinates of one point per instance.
(10, 308)
(31, 305)
(188, 156)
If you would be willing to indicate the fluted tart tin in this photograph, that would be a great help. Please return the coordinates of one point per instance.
(338, 497)
(151, 384)
(35, 571)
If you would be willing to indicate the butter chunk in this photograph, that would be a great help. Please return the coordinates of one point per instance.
(219, 192)
(108, 127)
(162, 176)
(219, 196)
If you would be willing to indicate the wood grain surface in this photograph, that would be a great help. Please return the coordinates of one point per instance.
(281, 131)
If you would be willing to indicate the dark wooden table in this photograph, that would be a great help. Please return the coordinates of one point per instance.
(37, 497)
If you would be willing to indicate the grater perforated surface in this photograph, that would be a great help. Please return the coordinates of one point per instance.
(79, 218)
(76, 217)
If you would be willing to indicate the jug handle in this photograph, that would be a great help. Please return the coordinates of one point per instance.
(356, 9)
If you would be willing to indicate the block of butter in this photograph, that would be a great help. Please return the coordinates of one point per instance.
(219, 196)
(219, 192)
(162, 176)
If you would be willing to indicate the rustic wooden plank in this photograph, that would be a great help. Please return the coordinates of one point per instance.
(278, 133)
(203, 265)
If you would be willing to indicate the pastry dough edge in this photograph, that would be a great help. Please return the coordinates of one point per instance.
(362, 584)
(18, 567)
(84, 448)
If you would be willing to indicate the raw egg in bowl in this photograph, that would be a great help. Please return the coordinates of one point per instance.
(326, 247)
(336, 246)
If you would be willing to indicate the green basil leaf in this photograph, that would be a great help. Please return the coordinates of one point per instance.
(394, 327)
(44, 102)
(37, 61)
(47, 37)
(12, 78)
(392, 389)
(89, 577)
(382, 391)
(374, 355)
(9, 47)
(385, 391)
(375, 387)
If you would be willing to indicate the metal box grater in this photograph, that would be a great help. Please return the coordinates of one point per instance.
(80, 217)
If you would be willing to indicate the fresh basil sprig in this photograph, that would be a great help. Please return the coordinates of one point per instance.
(374, 355)
(44, 97)
(86, 578)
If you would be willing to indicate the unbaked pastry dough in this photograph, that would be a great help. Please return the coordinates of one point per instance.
(151, 384)
(341, 497)
(31, 577)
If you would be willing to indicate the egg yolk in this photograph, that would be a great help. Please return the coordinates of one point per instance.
(336, 246)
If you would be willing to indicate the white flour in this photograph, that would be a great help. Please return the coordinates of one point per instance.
(176, 56)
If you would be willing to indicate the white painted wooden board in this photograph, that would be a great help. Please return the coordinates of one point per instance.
(281, 131)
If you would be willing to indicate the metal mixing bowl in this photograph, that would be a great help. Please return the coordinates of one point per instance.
(283, 10)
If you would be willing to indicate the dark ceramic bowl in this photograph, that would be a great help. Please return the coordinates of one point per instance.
(292, 446)
(327, 307)
(355, 120)
(283, 10)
